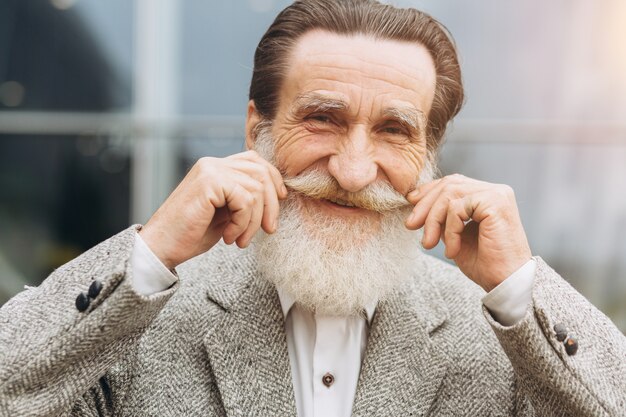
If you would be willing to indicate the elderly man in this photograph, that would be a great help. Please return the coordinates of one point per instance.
(333, 310)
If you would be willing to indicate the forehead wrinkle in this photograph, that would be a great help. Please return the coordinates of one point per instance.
(344, 57)
(351, 62)
(409, 90)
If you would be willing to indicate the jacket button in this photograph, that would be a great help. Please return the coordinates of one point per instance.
(571, 346)
(94, 289)
(561, 332)
(328, 379)
(82, 302)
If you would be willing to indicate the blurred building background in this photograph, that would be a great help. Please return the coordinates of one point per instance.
(104, 105)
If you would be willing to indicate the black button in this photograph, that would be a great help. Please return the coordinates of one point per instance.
(571, 346)
(82, 301)
(561, 332)
(94, 289)
(328, 379)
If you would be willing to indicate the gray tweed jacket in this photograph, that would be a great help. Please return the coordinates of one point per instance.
(214, 344)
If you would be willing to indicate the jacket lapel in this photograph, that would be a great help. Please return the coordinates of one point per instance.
(403, 369)
(248, 354)
(247, 350)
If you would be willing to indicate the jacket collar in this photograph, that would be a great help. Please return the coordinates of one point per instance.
(287, 301)
(247, 350)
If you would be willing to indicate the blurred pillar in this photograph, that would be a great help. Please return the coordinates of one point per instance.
(155, 103)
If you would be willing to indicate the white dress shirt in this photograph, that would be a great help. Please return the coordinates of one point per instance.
(326, 352)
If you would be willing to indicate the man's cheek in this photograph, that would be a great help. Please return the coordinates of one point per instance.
(300, 149)
(403, 168)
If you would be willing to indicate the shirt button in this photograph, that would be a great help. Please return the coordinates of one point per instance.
(328, 379)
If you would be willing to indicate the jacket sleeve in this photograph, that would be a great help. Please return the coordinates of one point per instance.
(51, 354)
(590, 381)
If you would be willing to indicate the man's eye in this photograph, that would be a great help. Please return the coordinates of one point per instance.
(392, 130)
(320, 118)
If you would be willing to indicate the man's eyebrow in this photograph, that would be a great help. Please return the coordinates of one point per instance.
(409, 116)
(317, 102)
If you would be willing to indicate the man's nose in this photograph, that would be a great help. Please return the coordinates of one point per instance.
(354, 166)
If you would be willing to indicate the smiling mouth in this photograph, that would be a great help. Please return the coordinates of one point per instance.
(334, 206)
(340, 202)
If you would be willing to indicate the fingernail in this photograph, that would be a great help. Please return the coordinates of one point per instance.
(275, 225)
(284, 189)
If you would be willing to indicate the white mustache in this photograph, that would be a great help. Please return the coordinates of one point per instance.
(379, 196)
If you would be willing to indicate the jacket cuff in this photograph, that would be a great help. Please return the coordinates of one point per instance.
(555, 378)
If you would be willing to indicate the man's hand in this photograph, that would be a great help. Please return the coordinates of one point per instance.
(491, 246)
(228, 198)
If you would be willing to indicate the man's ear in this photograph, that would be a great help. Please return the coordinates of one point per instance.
(252, 120)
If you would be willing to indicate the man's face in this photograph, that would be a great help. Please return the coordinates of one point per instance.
(349, 126)
(354, 107)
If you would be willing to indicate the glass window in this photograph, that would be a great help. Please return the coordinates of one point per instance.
(104, 106)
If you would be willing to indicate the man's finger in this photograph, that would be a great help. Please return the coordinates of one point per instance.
(271, 194)
(432, 233)
(239, 202)
(419, 213)
(255, 219)
(270, 210)
(438, 195)
(276, 177)
(455, 224)
(452, 188)
(262, 174)
(436, 218)
(414, 196)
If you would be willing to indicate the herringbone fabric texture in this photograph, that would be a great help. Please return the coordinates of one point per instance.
(214, 345)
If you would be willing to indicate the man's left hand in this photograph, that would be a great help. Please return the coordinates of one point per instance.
(479, 223)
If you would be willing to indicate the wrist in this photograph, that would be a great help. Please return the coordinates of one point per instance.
(505, 272)
(150, 275)
(153, 239)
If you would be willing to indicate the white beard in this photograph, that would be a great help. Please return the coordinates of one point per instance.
(334, 266)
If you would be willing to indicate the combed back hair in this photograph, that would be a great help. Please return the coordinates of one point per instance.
(366, 17)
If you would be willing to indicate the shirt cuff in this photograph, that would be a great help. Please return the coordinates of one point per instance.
(150, 276)
(509, 301)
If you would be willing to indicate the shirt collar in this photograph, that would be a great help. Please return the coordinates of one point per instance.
(287, 301)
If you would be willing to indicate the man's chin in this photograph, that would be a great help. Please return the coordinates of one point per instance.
(333, 264)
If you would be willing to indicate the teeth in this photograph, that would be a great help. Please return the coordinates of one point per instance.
(341, 202)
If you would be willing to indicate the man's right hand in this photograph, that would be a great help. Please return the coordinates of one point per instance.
(227, 198)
